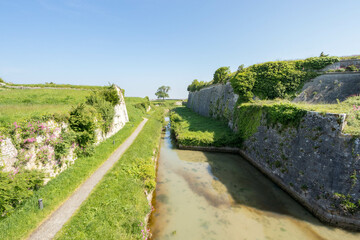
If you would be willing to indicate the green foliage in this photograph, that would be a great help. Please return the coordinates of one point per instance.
(352, 68)
(277, 79)
(82, 122)
(347, 203)
(221, 75)
(143, 105)
(122, 214)
(284, 113)
(102, 101)
(28, 216)
(247, 119)
(16, 187)
(317, 63)
(269, 80)
(1, 80)
(162, 92)
(62, 147)
(109, 94)
(196, 85)
(191, 129)
(243, 84)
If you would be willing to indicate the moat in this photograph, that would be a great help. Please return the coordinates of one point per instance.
(202, 195)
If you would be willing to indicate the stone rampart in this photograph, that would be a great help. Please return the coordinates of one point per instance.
(315, 162)
(330, 87)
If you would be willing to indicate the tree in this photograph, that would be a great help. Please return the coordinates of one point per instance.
(162, 92)
(221, 74)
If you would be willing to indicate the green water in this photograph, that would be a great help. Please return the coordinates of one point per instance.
(202, 195)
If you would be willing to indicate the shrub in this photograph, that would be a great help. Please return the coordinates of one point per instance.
(104, 108)
(16, 187)
(1, 80)
(82, 122)
(221, 75)
(243, 83)
(352, 68)
(285, 113)
(317, 63)
(196, 85)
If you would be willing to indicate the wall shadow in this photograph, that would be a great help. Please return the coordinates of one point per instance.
(248, 186)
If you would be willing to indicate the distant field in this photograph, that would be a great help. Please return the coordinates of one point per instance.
(53, 85)
(19, 104)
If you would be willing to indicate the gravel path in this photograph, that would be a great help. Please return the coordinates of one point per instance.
(54, 223)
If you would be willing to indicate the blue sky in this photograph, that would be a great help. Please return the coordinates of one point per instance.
(143, 44)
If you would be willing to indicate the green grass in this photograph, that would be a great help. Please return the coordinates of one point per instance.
(347, 107)
(22, 104)
(54, 85)
(118, 205)
(191, 129)
(27, 216)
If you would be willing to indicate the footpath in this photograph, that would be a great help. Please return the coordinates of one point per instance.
(49, 228)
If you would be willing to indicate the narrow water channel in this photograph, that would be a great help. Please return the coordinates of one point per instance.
(201, 195)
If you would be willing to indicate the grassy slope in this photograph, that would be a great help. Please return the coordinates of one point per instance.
(117, 206)
(20, 104)
(195, 130)
(347, 107)
(27, 217)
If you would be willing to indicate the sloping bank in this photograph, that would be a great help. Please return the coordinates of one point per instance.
(304, 152)
(119, 205)
(28, 216)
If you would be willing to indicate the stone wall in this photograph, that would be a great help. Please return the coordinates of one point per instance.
(329, 87)
(39, 152)
(217, 101)
(343, 64)
(314, 162)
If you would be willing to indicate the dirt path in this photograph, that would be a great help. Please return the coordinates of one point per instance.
(54, 223)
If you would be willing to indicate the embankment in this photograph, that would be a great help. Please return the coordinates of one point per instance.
(305, 152)
(49, 145)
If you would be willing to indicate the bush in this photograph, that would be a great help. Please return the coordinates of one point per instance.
(352, 68)
(221, 75)
(82, 122)
(243, 83)
(285, 113)
(196, 85)
(104, 108)
(317, 63)
(16, 187)
(1, 80)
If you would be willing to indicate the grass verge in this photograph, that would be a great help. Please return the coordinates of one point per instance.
(351, 107)
(27, 216)
(117, 206)
(191, 129)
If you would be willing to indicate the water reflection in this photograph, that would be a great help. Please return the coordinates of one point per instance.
(202, 195)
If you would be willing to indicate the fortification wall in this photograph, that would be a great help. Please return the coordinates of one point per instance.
(343, 64)
(330, 87)
(314, 162)
(39, 152)
(217, 101)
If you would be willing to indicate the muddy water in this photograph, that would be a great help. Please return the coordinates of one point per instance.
(202, 195)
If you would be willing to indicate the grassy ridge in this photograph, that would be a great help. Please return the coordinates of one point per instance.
(191, 129)
(27, 217)
(351, 107)
(117, 206)
(21, 104)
